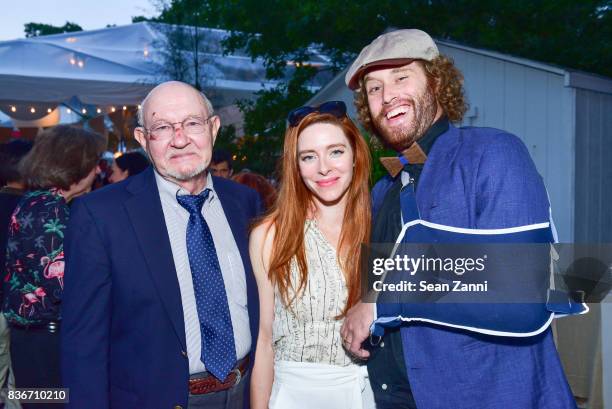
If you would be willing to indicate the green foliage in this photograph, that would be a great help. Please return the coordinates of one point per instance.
(378, 151)
(265, 121)
(575, 34)
(569, 33)
(39, 29)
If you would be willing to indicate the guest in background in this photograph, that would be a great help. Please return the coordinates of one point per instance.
(61, 166)
(10, 194)
(12, 186)
(259, 183)
(221, 164)
(128, 164)
(104, 164)
(11, 153)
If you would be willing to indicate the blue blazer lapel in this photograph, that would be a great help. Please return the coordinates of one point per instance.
(147, 217)
(238, 219)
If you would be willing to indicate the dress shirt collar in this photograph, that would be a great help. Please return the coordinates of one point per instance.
(168, 190)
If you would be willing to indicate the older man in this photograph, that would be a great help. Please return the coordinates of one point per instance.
(474, 178)
(160, 304)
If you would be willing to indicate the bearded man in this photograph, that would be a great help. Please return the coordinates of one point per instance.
(473, 178)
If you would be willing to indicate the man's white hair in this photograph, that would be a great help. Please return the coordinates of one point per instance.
(140, 115)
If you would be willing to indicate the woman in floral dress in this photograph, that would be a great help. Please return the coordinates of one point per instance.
(61, 166)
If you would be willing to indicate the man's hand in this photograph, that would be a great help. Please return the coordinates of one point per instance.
(356, 329)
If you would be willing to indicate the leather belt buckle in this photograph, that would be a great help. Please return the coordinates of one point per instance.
(210, 384)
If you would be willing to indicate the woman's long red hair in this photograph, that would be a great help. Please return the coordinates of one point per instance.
(291, 210)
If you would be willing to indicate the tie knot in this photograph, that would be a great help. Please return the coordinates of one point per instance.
(193, 203)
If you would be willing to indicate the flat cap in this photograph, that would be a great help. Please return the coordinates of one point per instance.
(393, 48)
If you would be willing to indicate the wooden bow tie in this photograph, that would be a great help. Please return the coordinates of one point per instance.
(394, 164)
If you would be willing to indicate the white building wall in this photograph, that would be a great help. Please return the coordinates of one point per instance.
(533, 104)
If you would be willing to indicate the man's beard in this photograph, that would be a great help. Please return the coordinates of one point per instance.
(181, 176)
(186, 176)
(424, 109)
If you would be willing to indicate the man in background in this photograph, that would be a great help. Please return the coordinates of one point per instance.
(221, 164)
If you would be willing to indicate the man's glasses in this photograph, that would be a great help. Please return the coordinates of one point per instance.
(335, 108)
(163, 131)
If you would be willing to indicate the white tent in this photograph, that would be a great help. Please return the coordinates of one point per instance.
(114, 66)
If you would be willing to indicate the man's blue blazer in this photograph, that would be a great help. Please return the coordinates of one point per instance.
(123, 334)
(480, 178)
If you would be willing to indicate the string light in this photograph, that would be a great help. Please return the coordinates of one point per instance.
(124, 107)
(33, 110)
(113, 109)
(68, 111)
(84, 110)
(13, 109)
(139, 106)
(49, 110)
(72, 61)
(99, 111)
(81, 64)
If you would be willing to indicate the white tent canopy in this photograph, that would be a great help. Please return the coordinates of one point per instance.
(115, 66)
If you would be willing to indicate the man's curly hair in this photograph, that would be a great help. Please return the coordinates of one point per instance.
(445, 79)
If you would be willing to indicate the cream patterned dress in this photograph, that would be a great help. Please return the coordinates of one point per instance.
(312, 369)
(309, 332)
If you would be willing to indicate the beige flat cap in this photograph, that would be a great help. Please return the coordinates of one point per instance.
(393, 48)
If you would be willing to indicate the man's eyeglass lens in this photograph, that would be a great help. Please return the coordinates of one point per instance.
(190, 126)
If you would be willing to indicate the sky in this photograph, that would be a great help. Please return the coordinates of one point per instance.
(89, 14)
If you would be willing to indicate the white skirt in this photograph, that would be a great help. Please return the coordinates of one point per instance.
(305, 385)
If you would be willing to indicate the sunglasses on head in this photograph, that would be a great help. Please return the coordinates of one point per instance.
(335, 108)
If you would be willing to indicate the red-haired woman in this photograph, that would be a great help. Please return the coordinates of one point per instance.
(306, 256)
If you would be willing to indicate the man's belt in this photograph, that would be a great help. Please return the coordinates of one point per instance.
(209, 384)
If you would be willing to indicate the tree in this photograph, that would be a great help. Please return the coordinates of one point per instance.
(184, 54)
(139, 19)
(574, 34)
(40, 29)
